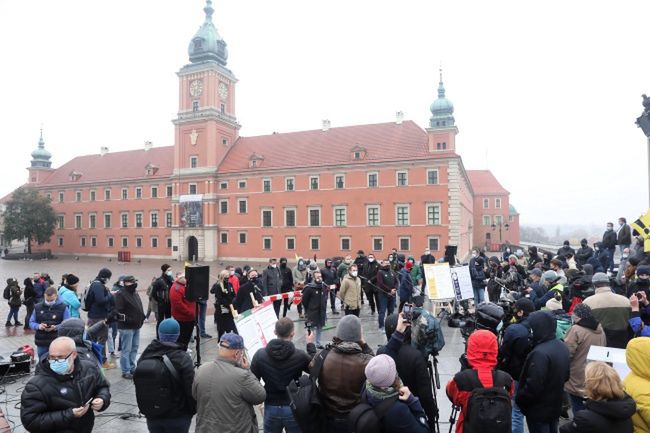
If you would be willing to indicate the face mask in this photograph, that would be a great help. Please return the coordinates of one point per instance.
(371, 259)
(610, 228)
(273, 265)
(643, 282)
(354, 273)
(169, 273)
(318, 280)
(474, 255)
(328, 265)
(132, 286)
(624, 256)
(60, 366)
(50, 303)
(283, 265)
(426, 253)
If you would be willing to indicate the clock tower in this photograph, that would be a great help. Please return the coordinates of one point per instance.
(206, 127)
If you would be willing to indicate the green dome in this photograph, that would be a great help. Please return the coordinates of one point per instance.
(41, 157)
(442, 106)
(442, 109)
(207, 44)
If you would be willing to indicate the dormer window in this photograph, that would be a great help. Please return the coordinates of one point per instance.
(255, 161)
(357, 153)
(150, 169)
(75, 176)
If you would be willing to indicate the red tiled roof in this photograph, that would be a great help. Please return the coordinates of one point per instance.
(484, 182)
(382, 142)
(115, 166)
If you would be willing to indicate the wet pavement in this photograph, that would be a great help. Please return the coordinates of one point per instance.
(122, 415)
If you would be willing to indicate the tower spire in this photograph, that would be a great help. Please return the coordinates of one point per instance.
(441, 86)
(442, 109)
(209, 10)
(207, 44)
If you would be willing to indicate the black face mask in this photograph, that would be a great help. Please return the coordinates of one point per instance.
(283, 265)
(643, 282)
(132, 287)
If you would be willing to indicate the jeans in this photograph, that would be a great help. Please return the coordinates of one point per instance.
(517, 416)
(542, 426)
(610, 259)
(319, 332)
(277, 418)
(169, 425)
(13, 312)
(187, 328)
(203, 309)
(41, 350)
(277, 305)
(333, 299)
(386, 302)
(577, 404)
(112, 335)
(130, 339)
(28, 313)
(479, 297)
(370, 294)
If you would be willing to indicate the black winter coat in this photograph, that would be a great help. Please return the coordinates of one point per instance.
(541, 384)
(243, 301)
(514, 349)
(287, 279)
(160, 291)
(223, 297)
(128, 303)
(583, 254)
(186, 405)
(412, 369)
(314, 300)
(278, 364)
(605, 416)
(609, 240)
(48, 398)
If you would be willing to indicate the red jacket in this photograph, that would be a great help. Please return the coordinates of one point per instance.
(182, 309)
(482, 351)
(234, 282)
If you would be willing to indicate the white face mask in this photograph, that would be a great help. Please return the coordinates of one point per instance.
(354, 273)
(273, 265)
(474, 254)
(371, 259)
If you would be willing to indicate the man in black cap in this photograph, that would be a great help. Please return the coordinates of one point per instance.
(130, 316)
(160, 294)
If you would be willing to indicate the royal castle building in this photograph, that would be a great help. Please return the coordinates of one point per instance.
(217, 195)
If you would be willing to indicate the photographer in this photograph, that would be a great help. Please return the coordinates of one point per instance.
(314, 301)
(130, 316)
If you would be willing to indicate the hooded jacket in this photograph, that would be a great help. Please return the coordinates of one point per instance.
(128, 302)
(482, 352)
(603, 416)
(182, 309)
(98, 300)
(278, 364)
(637, 383)
(583, 334)
(533, 258)
(75, 328)
(70, 298)
(48, 398)
(541, 384)
(514, 348)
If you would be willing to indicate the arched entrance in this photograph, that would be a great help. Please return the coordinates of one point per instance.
(192, 248)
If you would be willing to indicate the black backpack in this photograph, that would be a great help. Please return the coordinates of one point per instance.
(488, 409)
(304, 398)
(157, 387)
(367, 419)
(7, 293)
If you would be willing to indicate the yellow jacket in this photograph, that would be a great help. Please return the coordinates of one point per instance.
(637, 383)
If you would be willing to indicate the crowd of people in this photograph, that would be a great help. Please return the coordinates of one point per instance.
(528, 362)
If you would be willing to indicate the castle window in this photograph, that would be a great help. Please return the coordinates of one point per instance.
(195, 106)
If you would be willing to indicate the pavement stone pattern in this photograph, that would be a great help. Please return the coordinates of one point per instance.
(122, 415)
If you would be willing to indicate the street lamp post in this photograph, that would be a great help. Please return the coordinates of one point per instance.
(500, 225)
(643, 122)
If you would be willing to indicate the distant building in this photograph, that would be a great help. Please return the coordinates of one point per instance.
(215, 194)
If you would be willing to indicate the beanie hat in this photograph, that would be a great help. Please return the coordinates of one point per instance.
(71, 279)
(537, 272)
(525, 305)
(165, 267)
(169, 330)
(643, 270)
(600, 278)
(549, 276)
(553, 304)
(582, 311)
(381, 371)
(349, 328)
(408, 266)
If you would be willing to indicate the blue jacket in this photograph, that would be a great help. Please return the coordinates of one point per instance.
(70, 298)
(405, 285)
(39, 289)
(99, 300)
(640, 322)
(403, 416)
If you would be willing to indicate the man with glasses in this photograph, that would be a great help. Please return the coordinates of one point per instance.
(64, 392)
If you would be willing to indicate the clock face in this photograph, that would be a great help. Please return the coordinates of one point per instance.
(196, 88)
(223, 90)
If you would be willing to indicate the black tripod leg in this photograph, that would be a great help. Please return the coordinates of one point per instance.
(198, 336)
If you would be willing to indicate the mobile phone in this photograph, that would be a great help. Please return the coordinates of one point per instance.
(638, 296)
(89, 401)
(407, 312)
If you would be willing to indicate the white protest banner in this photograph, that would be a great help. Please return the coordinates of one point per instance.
(439, 284)
(462, 281)
(257, 327)
(612, 355)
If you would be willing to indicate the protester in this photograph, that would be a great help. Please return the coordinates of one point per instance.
(387, 284)
(45, 319)
(482, 351)
(277, 365)
(39, 285)
(585, 332)
(533, 258)
(69, 296)
(343, 373)
(226, 391)
(287, 285)
(411, 365)
(623, 235)
(584, 253)
(369, 282)
(152, 305)
(183, 311)
(612, 311)
(98, 303)
(477, 273)
(383, 389)
(13, 294)
(224, 295)
(299, 280)
(637, 382)
(160, 293)
(608, 408)
(203, 311)
(406, 285)
(181, 406)
(494, 274)
(243, 301)
(64, 392)
(29, 297)
(130, 313)
(271, 282)
(314, 301)
(513, 352)
(609, 245)
(541, 384)
(330, 280)
(350, 293)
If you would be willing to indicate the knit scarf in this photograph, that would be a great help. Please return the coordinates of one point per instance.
(380, 393)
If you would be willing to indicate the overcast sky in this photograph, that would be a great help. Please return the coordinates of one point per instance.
(546, 94)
